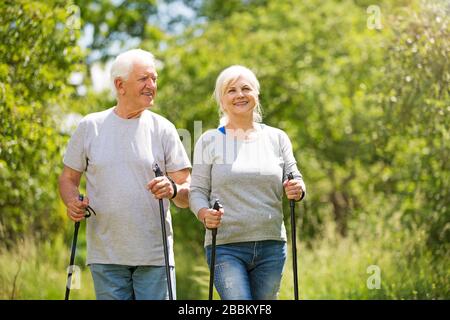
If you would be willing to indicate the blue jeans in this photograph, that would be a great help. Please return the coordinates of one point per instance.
(120, 282)
(248, 270)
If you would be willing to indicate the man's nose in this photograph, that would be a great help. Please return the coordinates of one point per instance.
(151, 83)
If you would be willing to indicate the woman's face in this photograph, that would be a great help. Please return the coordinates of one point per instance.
(239, 98)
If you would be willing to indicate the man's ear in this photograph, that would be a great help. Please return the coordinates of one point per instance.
(118, 83)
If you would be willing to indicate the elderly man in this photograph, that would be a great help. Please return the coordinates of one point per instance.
(117, 149)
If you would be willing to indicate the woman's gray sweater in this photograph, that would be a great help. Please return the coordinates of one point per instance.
(247, 177)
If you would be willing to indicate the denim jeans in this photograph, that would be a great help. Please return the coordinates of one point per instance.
(120, 282)
(248, 270)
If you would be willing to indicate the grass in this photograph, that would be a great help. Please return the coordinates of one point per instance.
(331, 268)
(38, 271)
(343, 268)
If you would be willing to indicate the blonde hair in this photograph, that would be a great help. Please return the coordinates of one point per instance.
(228, 76)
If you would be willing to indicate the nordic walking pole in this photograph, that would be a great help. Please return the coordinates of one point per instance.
(294, 242)
(212, 263)
(74, 246)
(158, 173)
(72, 258)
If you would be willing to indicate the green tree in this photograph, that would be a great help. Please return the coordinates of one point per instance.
(38, 52)
(411, 134)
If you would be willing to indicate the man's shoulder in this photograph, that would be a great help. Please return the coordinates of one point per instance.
(157, 118)
(97, 116)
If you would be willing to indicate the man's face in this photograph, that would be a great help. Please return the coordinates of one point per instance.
(139, 90)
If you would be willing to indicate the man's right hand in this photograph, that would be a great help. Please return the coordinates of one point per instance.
(76, 209)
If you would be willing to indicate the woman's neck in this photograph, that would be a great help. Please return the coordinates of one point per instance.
(242, 130)
(240, 124)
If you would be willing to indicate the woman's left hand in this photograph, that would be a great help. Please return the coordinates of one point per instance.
(294, 189)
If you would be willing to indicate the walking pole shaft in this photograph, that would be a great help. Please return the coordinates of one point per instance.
(72, 259)
(87, 214)
(166, 251)
(294, 248)
(158, 173)
(294, 243)
(212, 263)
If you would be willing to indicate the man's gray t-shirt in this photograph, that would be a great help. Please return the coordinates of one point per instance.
(117, 156)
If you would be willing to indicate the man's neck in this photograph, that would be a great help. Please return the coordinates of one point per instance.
(126, 112)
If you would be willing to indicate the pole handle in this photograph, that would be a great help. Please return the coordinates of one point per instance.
(291, 202)
(157, 170)
(217, 206)
(89, 210)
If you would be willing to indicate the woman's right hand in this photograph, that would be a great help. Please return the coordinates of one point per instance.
(211, 218)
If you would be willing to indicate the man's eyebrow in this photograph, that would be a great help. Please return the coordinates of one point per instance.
(144, 74)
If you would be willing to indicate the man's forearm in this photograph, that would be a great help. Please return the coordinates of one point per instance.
(68, 190)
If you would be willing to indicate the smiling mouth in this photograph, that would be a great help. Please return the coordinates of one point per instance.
(148, 94)
(241, 103)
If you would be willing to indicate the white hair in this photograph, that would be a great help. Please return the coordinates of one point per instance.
(123, 64)
(228, 76)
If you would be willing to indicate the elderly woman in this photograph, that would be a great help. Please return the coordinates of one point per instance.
(245, 164)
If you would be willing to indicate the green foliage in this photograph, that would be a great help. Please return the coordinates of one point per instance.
(218, 9)
(38, 270)
(37, 54)
(114, 22)
(341, 268)
(411, 134)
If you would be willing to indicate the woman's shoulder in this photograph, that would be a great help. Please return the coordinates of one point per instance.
(274, 131)
(209, 137)
(212, 133)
